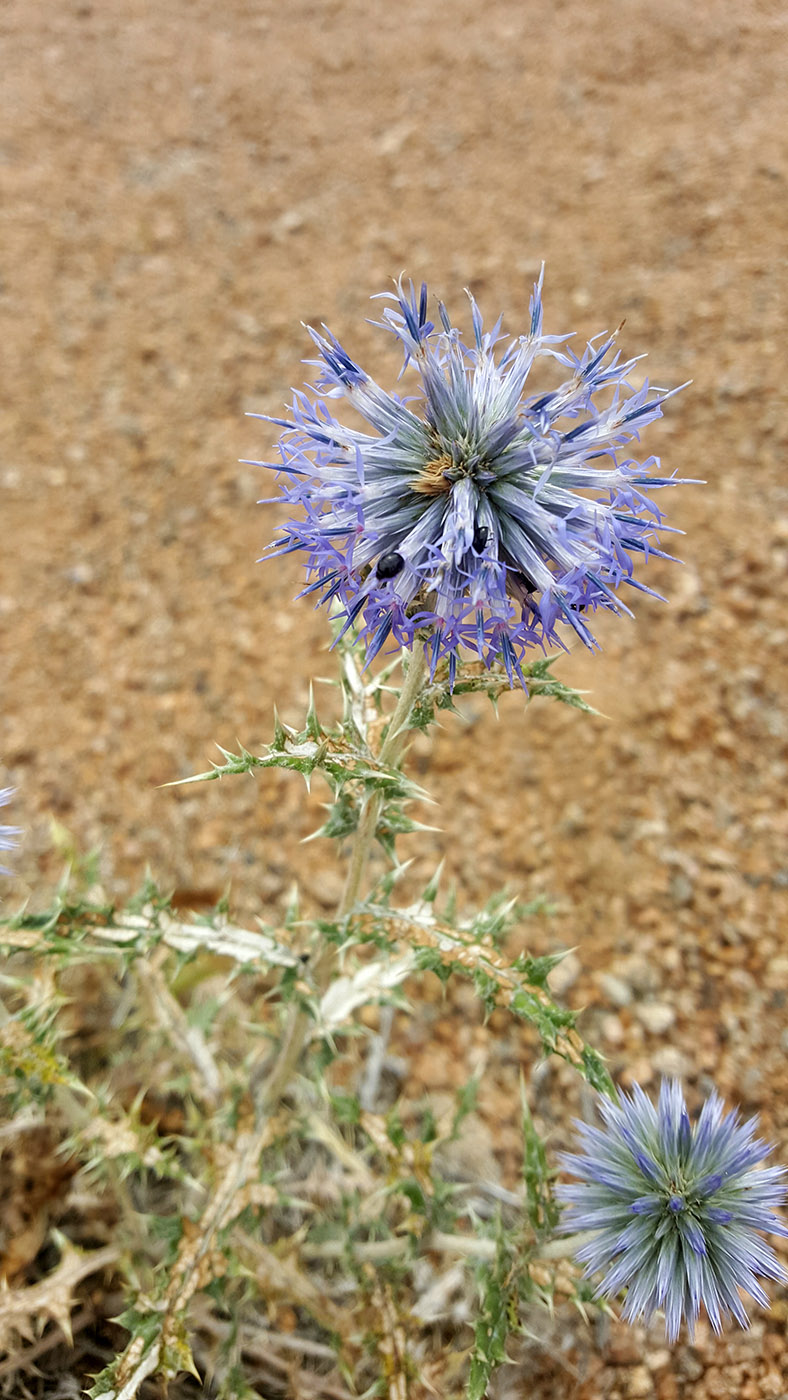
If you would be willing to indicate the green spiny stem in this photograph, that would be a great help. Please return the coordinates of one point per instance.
(300, 1022)
(390, 751)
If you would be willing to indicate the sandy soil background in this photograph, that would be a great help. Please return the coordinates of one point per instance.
(181, 185)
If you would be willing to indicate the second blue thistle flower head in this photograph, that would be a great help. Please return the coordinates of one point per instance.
(676, 1208)
(474, 515)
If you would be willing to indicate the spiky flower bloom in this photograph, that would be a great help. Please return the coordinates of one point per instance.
(676, 1206)
(473, 514)
(8, 834)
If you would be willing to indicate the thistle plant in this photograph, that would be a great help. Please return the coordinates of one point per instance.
(469, 526)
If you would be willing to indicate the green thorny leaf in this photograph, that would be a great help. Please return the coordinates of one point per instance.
(70, 933)
(497, 1317)
(343, 818)
(31, 1063)
(473, 677)
(346, 754)
(332, 755)
(537, 1175)
(470, 952)
(30, 1068)
(363, 697)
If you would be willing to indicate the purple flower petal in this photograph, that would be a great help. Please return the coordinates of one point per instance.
(515, 515)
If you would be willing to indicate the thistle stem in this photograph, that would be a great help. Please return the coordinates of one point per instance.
(300, 1023)
(390, 751)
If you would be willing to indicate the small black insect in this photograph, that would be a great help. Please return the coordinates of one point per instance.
(480, 537)
(389, 565)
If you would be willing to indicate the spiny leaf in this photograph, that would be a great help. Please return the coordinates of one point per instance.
(304, 754)
(537, 970)
(596, 1073)
(53, 1297)
(542, 1209)
(430, 893)
(493, 1323)
(441, 948)
(475, 678)
(312, 722)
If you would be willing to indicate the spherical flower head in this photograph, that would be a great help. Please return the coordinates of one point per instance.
(8, 834)
(472, 514)
(676, 1206)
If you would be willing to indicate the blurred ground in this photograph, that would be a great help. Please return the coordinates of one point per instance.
(180, 186)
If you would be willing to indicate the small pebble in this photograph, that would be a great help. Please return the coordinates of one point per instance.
(640, 1383)
(614, 1033)
(614, 989)
(656, 1016)
(689, 1364)
(659, 1359)
(669, 1060)
(624, 1348)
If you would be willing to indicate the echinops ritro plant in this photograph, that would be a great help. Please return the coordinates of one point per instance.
(465, 525)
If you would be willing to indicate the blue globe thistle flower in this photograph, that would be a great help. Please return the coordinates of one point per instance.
(8, 834)
(473, 514)
(676, 1207)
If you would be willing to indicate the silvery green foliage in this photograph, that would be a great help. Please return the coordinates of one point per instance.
(677, 1207)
